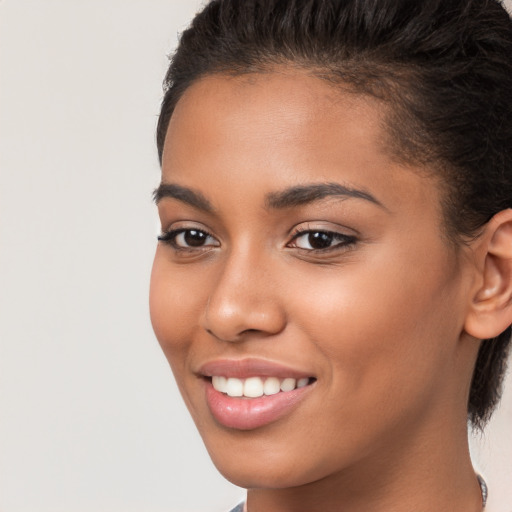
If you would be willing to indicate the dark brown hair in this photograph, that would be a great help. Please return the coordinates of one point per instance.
(444, 68)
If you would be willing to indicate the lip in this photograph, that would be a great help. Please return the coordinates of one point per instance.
(250, 413)
(245, 368)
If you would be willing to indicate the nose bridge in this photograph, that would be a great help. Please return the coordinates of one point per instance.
(244, 298)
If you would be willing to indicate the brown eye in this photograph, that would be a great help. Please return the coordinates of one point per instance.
(194, 238)
(321, 240)
(189, 239)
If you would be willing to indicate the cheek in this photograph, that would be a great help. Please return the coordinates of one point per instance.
(175, 300)
(386, 327)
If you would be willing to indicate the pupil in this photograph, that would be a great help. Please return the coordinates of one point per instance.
(194, 238)
(320, 240)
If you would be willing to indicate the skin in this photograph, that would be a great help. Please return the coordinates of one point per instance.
(379, 321)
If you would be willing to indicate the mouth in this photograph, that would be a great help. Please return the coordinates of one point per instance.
(250, 394)
(255, 387)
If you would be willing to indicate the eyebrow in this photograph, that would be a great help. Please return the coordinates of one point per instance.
(305, 194)
(291, 197)
(184, 194)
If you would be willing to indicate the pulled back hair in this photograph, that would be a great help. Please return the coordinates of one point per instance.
(442, 67)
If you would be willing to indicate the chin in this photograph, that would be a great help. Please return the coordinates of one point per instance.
(261, 475)
(257, 464)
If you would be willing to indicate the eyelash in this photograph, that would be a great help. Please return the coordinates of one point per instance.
(169, 238)
(344, 241)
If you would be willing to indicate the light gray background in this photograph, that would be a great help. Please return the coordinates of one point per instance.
(90, 419)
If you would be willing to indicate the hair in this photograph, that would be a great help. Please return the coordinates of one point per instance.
(442, 67)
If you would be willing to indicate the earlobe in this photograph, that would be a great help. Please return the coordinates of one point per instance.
(491, 308)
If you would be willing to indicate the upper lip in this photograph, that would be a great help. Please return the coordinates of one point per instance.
(252, 367)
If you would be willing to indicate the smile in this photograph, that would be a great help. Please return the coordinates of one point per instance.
(255, 387)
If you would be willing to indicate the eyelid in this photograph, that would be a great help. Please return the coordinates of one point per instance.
(169, 235)
(325, 227)
(185, 225)
(335, 234)
(345, 240)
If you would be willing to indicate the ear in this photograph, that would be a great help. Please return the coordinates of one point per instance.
(491, 307)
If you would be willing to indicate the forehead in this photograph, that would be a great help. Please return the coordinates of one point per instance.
(278, 129)
(288, 106)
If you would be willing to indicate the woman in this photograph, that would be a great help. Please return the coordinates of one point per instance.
(333, 282)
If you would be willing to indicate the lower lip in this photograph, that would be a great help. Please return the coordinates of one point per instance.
(250, 413)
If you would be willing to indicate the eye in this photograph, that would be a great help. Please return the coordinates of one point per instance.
(321, 240)
(188, 239)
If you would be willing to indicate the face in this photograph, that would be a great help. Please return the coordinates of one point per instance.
(302, 291)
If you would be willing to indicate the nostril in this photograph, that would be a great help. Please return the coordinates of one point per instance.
(236, 338)
(216, 336)
(248, 331)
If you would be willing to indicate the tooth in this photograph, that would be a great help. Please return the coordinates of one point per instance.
(271, 386)
(288, 384)
(234, 387)
(219, 383)
(253, 387)
(302, 382)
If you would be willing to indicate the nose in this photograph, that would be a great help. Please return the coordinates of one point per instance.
(244, 300)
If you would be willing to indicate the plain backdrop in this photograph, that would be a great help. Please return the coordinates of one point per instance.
(90, 419)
